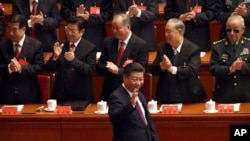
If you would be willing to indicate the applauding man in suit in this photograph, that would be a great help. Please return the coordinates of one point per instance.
(43, 18)
(74, 61)
(21, 60)
(119, 50)
(142, 14)
(128, 111)
(177, 63)
(95, 12)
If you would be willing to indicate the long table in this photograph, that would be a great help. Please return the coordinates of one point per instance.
(192, 124)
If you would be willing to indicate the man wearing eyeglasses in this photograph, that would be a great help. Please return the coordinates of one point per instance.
(74, 61)
(230, 65)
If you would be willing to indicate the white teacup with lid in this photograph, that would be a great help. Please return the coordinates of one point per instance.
(210, 106)
(152, 106)
(102, 106)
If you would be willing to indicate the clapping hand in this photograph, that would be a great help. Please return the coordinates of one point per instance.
(57, 49)
(82, 12)
(15, 66)
(112, 67)
(70, 55)
(133, 9)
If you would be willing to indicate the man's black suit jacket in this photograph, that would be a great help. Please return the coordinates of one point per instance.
(95, 31)
(45, 33)
(135, 51)
(73, 79)
(21, 88)
(126, 121)
(185, 86)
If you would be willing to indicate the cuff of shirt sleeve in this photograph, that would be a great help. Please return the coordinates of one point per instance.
(139, 13)
(174, 70)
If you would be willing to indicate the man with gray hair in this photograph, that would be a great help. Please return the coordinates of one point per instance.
(230, 64)
(177, 64)
(119, 50)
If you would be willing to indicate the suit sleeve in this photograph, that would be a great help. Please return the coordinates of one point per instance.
(151, 13)
(222, 13)
(207, 14)
(65, 10)
(87, 65)
(35, 66)
(105, 14)
(51, 19)
(118, 110)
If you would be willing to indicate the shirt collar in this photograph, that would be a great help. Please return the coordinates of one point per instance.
(127, 39)
(179, 47)
(76, 43)
(130, 93)
(20, 42)
(32, 1)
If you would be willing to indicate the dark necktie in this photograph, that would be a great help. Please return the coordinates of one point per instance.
(175, 57)
(33, 12)
(234, 47)
(72, 47)
(139, 109)
(121, 51)
(17, 52)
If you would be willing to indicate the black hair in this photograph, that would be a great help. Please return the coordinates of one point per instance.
(133, 67)
(79, 21)
(18, 19)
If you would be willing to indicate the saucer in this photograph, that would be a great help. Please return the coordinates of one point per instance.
(49, 110)
(101, 112)
(214, 111)
(154, 112)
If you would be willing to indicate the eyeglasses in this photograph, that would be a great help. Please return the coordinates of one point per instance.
(234, 30)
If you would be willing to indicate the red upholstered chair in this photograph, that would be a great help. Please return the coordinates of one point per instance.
(44, 82)
(147, 86)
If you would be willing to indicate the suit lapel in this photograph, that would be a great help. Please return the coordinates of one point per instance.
(114, 50)
(128, 49)
(23, 8)
(25, 47)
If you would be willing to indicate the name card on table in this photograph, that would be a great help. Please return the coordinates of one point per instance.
(169, 109)
(11, 109)
(225, 108)
(63, 110)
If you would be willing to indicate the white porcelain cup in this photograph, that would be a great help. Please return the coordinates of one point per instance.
(52, 104)
(102, 106)
(210, 105)
(152, 105)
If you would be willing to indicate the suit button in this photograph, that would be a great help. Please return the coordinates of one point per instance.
(235, 77)
(235, 84)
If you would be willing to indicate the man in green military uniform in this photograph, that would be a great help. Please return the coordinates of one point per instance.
(226, 8)
(230, 64)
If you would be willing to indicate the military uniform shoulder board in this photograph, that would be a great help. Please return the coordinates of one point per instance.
(216, 42)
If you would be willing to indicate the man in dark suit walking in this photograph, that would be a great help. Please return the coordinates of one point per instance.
(142, 14)
(43, 18)
(177, 64)
(21, 60)
(119, 50)
(128, 111)
(95, 12)
(74, 60)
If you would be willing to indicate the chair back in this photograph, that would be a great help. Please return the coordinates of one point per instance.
(44, 83)
(147, 86)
